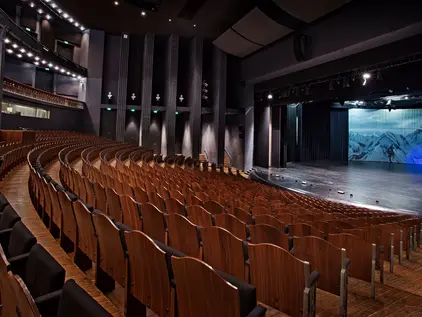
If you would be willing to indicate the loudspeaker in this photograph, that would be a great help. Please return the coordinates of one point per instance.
(302, 47)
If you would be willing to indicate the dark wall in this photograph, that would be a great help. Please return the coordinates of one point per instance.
(234, 88)
(19, 71)
(315, 132)
(261, 139)
(44, 80)
(155, 131)
(134, 82)
(60, 119)
(183, 71)
(158, 77)
(108, 124)
(67, 86)
(339, 134)
(234, 142)
(110, 68)
(133, 120)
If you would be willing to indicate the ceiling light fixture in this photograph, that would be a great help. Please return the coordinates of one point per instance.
(365, 77)
(116, 3)
(36, 63)
(48, 17)
(10, 51)
(22, 50)
(53, 5)
(36, 58)
(194, 25)
(170, 20)
(32, 5)
(28, 29)
(40, 11)
(143, 13)
(65, 15)
(30, 54)
(50, 65)
(6, 40)
(43, 62)
(19, 55)
(270, 96)
(15, 45)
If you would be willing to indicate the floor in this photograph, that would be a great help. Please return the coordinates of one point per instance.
(374, 185)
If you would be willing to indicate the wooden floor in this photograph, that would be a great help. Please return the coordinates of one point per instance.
(401, 295)
(15, 188)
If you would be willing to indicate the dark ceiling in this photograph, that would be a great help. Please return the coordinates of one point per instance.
(211, 17)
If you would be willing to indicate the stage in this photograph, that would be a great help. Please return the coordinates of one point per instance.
(375, 185)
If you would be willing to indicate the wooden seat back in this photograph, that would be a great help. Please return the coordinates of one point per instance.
(100, 197)
(269, 220)
(141, 195)
(183, 235)
(157, 201)
(213, 207)
(304, 230)
(193, 274)
(260, 210)
(19, 300)
(111, 257)
(56, 214)
(86, 238)
(269, 234)
(153, 222)
(199, 216)
(69, 226)
(177, 195)
(284, 289)
(131, 211)
(224, 252)
(90, 194)
(325, 257)
(148, 272)
(232, 224)
(243, 215)
(114, 208)
(173, 206)
(362, 255)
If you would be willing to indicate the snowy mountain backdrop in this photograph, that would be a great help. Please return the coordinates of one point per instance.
(380, 135)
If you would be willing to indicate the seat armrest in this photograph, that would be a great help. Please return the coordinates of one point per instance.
(48, 304)
(312, 279)
(5, 237)
(18, 264)
(258, 311)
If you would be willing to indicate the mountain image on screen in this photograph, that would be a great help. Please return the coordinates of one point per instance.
(370, 138)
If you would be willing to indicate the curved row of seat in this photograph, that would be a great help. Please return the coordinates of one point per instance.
(192, 214)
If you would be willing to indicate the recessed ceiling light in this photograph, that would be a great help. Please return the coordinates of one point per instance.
(76, 24)
(47, 1)
(56, 67)
(50, 65)
(15, 45)
(170, 20)
(6, 40)
(82, 28)
(40, 11)
(54, 5)
(143, 13)
(43, 62)
(19, 55)
(32, 5)
(194, 25)
(48, 17)
(79, 77)
(71, 20)
(73, 75)
(36, 63)
(22, 50)
(68, 73)
(10, 51)
(59, 10)
(30, 54)
(65, 15)
(116, 3)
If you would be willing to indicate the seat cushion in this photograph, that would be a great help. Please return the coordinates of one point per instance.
(3, 202)
(247, 293)
(74, 301)
(8, 218)
(21, 240)
(43, 273)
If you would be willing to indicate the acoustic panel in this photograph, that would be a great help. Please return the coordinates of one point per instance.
(309, 11)
(234, 44)
(257, 27)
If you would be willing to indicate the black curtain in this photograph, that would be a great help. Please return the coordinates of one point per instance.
(339, 134)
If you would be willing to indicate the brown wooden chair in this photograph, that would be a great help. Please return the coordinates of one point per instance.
(157, 201)
(18, 301)
(173, 206)
(56, 214)
(141, 195)
(291, 290)
(153, 222)
(226, 298)
(331, 263)
(199, 216)
(232, 224)
(362, 255)
(243, 215)
(269, 220)
(68, 234)
(183, 235)
(100, 197)
(131, 211)
(194, 201)
(269, 234)
(114, 208)
(90, 194)
(150, 282)
(304, 230)
(213, 207)
(260, 210)
(224, 251)
(86, 246)
(111, 262)
(175, 194)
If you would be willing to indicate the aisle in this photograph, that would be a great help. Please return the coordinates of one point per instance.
(15, 188)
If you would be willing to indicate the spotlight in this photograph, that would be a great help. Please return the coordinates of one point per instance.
(365, 77)
(270, 96)
(143, 13)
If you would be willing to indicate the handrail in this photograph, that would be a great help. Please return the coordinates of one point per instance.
(228, 154)
(17, 88)
(37, 46)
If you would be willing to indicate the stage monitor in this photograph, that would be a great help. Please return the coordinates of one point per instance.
(146, 4)
(383, 135)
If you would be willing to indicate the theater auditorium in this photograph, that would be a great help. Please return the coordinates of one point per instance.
(210, 158)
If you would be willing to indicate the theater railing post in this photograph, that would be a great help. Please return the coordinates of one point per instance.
(401, 247)
(374, 255)
(343, 284)
(392, 253)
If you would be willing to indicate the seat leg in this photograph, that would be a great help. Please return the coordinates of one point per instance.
(67, 245)
(54, 230)
(82, 260)
(103, 281)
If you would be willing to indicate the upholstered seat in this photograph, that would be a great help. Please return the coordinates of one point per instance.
(3, 202)
(8, 218)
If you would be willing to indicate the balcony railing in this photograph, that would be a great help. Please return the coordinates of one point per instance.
(16, 88)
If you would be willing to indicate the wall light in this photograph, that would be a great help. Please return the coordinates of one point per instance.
(177, 112)
(270, 96)
(133, 110)
(28, 29)
(365, 77)
(143, 13)
(155, 111)
(108, 109)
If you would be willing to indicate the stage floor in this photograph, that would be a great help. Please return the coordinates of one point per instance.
(369, 184)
